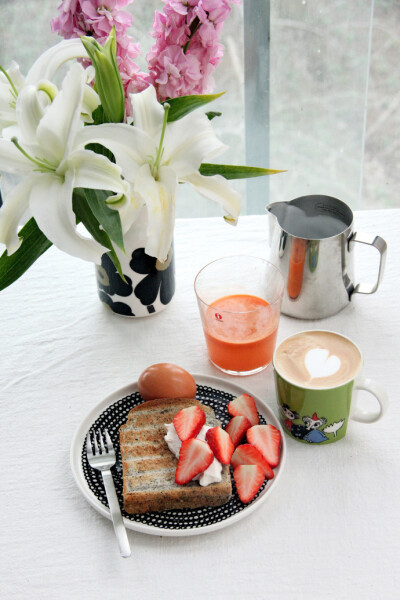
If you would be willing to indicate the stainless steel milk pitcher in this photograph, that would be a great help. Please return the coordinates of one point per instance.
(312, 243)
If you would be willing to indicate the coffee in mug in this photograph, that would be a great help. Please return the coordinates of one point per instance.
(318, 359)
(316, 373)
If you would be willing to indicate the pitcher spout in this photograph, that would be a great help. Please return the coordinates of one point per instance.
(274, 210)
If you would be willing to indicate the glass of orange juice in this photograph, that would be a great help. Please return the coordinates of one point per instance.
(240, 299)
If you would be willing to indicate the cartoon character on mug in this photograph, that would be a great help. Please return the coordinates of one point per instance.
(310, 429)
(290, 415)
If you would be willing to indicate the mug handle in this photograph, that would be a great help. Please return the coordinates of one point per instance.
(366, 416)
(379, 243)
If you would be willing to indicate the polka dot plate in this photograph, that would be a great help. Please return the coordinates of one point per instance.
(112, 412)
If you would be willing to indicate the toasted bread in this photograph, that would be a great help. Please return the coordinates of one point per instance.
(149, 466)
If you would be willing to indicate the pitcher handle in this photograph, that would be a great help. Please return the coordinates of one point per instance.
(378, 243)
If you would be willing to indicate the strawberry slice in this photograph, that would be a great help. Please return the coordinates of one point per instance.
(195, 456)
(245, 406)
(188, 422)
(221, 444)
(248, 479)
(237, 427)
(246, 454)
(267, 439)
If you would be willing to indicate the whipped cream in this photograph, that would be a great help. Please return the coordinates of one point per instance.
(213, 473)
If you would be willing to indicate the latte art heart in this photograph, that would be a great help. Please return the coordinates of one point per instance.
(317, 359)
(320, 363)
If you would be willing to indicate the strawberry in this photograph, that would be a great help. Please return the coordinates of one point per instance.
(248, 479)
(267, 439)
(221, 444)
(244, 406)
(188, 422)
(246, 454)
(195, 456)
(237, 427)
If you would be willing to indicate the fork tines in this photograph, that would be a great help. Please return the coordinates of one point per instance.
(92, 441)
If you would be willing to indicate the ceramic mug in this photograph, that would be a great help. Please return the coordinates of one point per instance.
(317, 374)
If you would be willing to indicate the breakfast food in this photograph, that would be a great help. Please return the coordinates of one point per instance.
(149, 466)
(221, 444)
(166, 380)
(246, 454)
(175, 454)
(237, 428)
(188, 422)
(248, 479)
(267, 440)
(245, 406)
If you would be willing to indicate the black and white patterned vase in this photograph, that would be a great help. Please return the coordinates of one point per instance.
(149, 284)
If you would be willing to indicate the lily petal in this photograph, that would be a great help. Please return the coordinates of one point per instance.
(51, 206)
(30, 108)
(148, 113)
(189, 142)
(96, 172)
(130, 211)
(90, 102)
(12, 212)
(12, 160)
(16, 76)
(53, 58)
(8, 95)
(131, 146)
(55, 135)
(159, 197)
(217, 188)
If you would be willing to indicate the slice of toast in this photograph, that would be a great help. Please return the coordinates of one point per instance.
(149, 466)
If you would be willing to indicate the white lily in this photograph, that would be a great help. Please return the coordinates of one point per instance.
(155, 156)
(11, 81)
(53, 164)
(40, 75)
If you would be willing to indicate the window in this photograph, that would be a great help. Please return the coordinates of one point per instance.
(317, 66)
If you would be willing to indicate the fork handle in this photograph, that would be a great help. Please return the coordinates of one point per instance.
(116, 516)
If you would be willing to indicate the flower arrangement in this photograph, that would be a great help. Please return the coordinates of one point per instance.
(111, 142)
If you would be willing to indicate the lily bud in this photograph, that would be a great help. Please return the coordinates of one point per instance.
(108, 83)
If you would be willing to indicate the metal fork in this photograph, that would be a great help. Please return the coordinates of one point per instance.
(103, 459)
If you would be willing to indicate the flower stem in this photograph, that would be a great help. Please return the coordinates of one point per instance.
(160, 149)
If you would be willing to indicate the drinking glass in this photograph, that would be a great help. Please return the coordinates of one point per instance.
(239, 299)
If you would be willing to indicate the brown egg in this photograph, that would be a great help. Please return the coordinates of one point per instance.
(165, 380)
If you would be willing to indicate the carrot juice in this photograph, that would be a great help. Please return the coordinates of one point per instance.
(240, 332)
(297, 261)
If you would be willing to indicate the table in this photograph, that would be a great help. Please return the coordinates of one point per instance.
(331, 529)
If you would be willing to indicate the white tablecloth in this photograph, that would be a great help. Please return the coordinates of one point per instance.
(331, 529)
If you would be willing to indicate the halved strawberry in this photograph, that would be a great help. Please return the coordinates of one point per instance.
(267, 439)
(188, 422)
(195, 456)
(221, 444)
(248, 479)
(237, 427)
(245, 406)
(246, 454)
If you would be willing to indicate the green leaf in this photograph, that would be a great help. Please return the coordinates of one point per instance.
(212, 114)
(84, 214)
(182, 106)
(34, 244)
(235, 171)
(108, 218)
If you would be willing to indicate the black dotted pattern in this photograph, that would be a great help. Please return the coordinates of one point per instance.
(115, 416)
